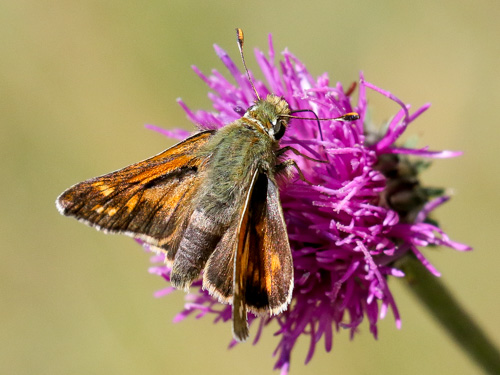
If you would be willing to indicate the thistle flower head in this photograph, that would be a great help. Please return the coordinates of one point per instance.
(365, 209)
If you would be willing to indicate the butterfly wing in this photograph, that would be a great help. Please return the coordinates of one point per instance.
(256, 249)
(146, 200)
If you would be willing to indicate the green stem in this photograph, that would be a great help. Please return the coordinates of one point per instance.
(443, 306)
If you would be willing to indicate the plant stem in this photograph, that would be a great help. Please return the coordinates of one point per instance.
(457, 322)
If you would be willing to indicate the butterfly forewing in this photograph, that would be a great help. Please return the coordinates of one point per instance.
(263, 270)
(270, 270)
(218, 274)
(142, 200)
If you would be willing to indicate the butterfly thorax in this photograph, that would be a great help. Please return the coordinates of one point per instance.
(235, 151)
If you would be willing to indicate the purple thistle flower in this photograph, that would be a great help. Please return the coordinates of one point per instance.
(365, 211)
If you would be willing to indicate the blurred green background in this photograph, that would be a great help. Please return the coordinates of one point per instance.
(79, 79)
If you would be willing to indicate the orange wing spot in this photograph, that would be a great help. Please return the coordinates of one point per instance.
(269, 283)
(132, 202)
(275, 263)
(111, 211)
(105, 189)
(98, 208)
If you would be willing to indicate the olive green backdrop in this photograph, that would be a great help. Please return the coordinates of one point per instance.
(79, 79)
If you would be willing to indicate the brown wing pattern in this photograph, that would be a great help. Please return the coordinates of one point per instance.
(142, 199)
(269, 271)
(263, 270)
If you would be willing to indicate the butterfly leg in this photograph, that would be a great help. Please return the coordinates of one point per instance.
(285, 168)
(281, 151)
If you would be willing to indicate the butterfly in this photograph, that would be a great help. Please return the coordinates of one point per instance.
(209, 203)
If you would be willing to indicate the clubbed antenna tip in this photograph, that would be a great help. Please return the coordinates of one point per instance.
(241, 39)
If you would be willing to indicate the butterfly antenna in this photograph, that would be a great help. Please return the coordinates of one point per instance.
(240, 37)
(351, 116)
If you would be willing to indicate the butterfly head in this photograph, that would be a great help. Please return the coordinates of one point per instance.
(270, 115)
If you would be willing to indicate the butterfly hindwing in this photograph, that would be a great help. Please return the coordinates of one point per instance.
(143, 199)
(218, 274)
(199, 240)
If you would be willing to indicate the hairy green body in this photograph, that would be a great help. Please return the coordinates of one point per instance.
(233, 154)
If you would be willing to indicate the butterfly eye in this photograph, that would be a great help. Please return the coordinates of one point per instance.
(279, 129)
